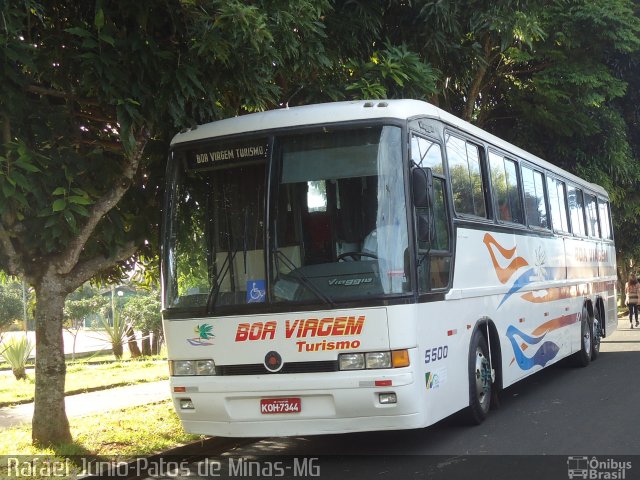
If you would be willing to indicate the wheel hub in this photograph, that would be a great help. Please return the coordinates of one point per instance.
(483, 379)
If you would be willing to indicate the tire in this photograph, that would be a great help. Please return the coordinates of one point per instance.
(582, 358)
(596, 333)
(480, 385)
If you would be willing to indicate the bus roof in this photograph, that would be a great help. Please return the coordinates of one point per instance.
(337, 112)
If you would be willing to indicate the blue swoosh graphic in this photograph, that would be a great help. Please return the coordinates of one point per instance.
(521, 281)
(524, 280)
(547, 351)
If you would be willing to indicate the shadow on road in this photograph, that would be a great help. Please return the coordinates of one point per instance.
(561, 410)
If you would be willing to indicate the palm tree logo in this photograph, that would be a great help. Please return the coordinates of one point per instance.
(539, 269)
(204, 332)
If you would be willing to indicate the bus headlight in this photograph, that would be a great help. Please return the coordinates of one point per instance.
(182, 367)
(351, 361)
(373, 360)
(205, 367)
(378, 359)
(185, 368)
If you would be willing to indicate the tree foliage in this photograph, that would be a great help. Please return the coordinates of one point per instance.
(143, 311)
(568, 100)
(75, 311)
(11, 307)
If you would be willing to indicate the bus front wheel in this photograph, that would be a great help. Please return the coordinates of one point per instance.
(480, 379)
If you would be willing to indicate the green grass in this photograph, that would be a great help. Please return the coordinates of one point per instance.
(123, 434)
(82, 377)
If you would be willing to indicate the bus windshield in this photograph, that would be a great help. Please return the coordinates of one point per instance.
(337, 226)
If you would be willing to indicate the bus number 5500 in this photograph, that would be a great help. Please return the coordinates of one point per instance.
(436, 353)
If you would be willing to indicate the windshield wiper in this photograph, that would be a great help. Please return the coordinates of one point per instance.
(215, 288)
(302, 278)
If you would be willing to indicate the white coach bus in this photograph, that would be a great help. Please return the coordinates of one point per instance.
(371, 265)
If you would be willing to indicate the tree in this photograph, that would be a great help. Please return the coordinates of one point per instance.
(472, 43)
(91, 95)
(626, 66)
(143, 312)
(572, 100)
(115, 332)
(11, 307)
(16, 352)
(79, 309)
(557, 78)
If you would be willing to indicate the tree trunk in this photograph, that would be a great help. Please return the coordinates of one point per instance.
(73, 352)
(134, 350)
(50, 423)
(156, 343)
(146, 343)
(155, 347)
(117, 350)
(476, 84)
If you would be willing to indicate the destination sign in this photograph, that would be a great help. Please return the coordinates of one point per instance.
(208, 157)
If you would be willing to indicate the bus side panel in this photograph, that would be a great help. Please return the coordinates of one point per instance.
(440, 370)
(444, 332)
(441, 343)
(534, 306)
(591, 268)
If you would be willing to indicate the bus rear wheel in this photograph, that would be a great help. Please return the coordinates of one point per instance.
(582, 358)
(480, 385)
(597, 331)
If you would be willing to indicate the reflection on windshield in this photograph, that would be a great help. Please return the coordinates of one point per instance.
(217, 252)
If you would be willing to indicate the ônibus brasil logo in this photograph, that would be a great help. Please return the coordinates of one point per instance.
(593, 468)
(205, 332)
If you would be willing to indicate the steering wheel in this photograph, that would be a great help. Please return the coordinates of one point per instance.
(356, 255)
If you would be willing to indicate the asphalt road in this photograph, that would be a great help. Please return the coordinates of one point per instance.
(560, 418)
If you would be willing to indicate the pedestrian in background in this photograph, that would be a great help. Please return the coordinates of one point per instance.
(632, 291)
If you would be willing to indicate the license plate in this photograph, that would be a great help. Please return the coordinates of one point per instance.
(280, 405)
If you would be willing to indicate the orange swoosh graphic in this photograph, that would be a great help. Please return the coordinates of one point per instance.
(551, 294)
(556, 323)
(504, 274)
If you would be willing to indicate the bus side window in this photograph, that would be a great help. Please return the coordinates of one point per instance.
(605, 219)
(576, 211)
(557, 194)
(535, 203)
(426, 154)
(506, 188)
(466, 177)
(592, 216)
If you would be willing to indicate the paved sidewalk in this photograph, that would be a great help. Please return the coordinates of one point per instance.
(94, 402)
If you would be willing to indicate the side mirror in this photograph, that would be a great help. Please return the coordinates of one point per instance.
(422, 187)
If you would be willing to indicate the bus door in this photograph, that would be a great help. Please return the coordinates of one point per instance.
(433, 256)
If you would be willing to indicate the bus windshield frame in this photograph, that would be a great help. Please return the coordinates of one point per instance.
(329, 203)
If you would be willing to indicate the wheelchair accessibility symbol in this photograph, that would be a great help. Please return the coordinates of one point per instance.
(256, 290)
